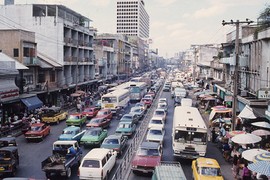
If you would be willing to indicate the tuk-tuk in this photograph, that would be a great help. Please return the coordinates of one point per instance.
(7, 141)
(9, 160)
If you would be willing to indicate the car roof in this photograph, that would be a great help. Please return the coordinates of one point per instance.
(157, 118)
(9, 148)
(97, 153)
(114, 136)
(158, 109)
(163, 99)
(151, 145)
(156, 128)
(94, 129)
(207, 162)
(71, 128)
(64, 142)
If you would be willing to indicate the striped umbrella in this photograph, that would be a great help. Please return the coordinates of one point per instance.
(262, 157)
(234, 133)
(261, 132)
(250, 154)
(262, 167)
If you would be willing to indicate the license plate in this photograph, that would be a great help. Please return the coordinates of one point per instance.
(108, 105)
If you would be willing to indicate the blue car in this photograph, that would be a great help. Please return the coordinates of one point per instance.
(71, 133)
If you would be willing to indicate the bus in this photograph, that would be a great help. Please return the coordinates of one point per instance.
(189, 133)
(115, 100)
(120, 86)
(137, 91)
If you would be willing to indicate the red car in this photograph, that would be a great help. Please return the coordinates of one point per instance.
(90, 112)
(37, 131)
(147, 101)
(99, 122)
(147, 157)
(104, 113)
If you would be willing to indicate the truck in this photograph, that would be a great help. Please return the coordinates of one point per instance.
(168, 171)
(66, 155)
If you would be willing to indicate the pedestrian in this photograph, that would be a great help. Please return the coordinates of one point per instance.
(213, 135)
(246, 173)
(79, 107)
(236, 166)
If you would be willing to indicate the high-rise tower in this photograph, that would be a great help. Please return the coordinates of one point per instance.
(132, 18)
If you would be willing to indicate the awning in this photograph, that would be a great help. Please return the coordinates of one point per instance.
(49, 60)
(6, 58)
(32, 102)
(247, 113)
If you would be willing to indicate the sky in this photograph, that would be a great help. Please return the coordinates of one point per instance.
(174, 24)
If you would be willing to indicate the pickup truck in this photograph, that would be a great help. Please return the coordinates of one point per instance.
(66, 155)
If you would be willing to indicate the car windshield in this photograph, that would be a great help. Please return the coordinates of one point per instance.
(111, 141)
(122, 125)
(127, 118)
(156, 122)
(67, 132)
(162, 105)
(36, 128)
(101, 113)
(74, 117)
(91, 164)
(155, 132)
(148, 152)
(92, 132)
(159, 113)
(95, 121)
(208, 171)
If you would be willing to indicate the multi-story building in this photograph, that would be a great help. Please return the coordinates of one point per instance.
(62, 36)
(132, 18)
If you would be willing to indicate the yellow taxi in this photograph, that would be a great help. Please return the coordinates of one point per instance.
(53, 115)
(206, 168)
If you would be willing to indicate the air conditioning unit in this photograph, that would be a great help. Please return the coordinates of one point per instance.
(243, 93)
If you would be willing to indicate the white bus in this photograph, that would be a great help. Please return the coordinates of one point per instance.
(189, 133)
(137, 90)
(120, 86)
(115, 100)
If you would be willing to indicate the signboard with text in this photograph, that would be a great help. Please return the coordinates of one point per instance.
(263, 94)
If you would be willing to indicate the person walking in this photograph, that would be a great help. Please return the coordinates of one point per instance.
(246, 173)
(213, 135)
(236, 166)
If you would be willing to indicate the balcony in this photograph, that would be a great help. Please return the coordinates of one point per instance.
(243, 60)
(30, 61)
(101, 62)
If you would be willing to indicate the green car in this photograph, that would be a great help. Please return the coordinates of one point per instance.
(93, 136)
(76, 119)
(126, 128)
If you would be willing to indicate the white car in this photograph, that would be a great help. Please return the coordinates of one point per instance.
(161, 100)
(160, 113)
(155, 135)
(156, 122)
(162, 105)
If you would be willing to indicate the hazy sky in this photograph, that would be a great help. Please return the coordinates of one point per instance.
(174, 24)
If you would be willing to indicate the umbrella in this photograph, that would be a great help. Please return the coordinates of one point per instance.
(234, 133)
(261, 124)
(251, 153)
(246, 138)
(262, 167)
(262, 157)
(247, 113)
(261, 132)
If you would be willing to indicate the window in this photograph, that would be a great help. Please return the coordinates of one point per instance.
(52, 76)
(103, 162)
(16, 52)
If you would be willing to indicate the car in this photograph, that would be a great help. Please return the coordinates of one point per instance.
(37, 131)
(93, 136)
(206, 168)
(156, 122)
(71, 133)
(141, 105)
(98, 105)
(161, 100)
(90, 112)
(99, 122)
(147, 101)
(138, 111)
(104, 113)
(127, 128)
(155, 134)
(76, 119)
(7, 141)
(130, 117)
(117, 142)
(162, 106)
(9, 160)
(160, 113)
(166, 88)
(53, 115)
(148, 95)
(147, 157)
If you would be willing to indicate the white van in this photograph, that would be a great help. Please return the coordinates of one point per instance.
(97, 164)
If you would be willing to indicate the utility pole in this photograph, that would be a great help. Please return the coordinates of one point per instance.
(235, 75)
(194, 65)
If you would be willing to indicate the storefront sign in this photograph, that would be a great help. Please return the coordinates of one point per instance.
(263, 94)
(9, 94)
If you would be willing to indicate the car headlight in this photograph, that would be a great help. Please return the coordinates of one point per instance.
(202, 153)
(134, 166)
